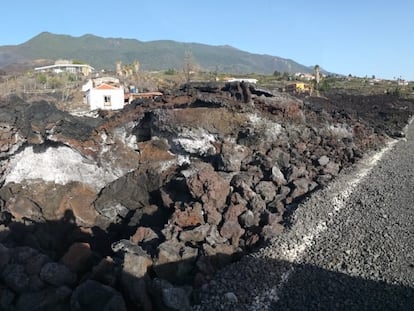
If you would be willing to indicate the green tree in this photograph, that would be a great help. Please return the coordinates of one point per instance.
(55, 83)
(41, 78)
(325, 86)
(286, 75)
(170, 72)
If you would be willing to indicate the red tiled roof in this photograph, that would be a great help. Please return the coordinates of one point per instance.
(105, 86)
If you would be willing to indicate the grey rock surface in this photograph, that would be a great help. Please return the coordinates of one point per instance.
(350, 247)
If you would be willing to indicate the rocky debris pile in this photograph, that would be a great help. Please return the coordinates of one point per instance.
(144, 205)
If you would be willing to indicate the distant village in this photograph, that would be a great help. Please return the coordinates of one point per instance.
(109, 93)
(106, 92)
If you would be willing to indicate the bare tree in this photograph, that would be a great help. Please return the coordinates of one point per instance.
(189, 66)
(136, 66)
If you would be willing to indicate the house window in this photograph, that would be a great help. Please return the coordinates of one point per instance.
(107, 101)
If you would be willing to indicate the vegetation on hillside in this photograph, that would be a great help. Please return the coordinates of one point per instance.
(103, 53)
(64, 89)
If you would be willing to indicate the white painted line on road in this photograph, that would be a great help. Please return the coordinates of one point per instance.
(295, 252)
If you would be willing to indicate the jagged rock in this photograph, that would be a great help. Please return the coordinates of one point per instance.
(5, 256)
(242, 183)
(21, 208)
(324, 179)
(198, 234)
(280, 157)
(131, 191)
(239, 90)
(219, 249)
(232, 230)
(194, 141)
(10, 139)
(323, 160)
(175, 261)
(209, 172)
(272, 218)
(270, 231)
(188, 216)
(256, 174)
(277, 205)
(35, 263)
(77, 258)
(113, 211)
(134, 276)
(169, 251)
(206, 185)
(22, 254)
(294, 173)
(331, 168)
(231, 156)
(94, 296)
(57, 274)
(41, 195)
(105, 272)
(300, 187)
(168, 297)
(167, 201)
(267, 190)
(214, 216)
(282, 193)
(79, 199)
(171, 231)
(36, 284)
(263, 161)
(213, 237)
(47, 299)
(277, 176)
(144, 235)
(15, 277)
(248, 219)
(257, 204)
(234, 211)
(150, 216)
(251, 239)
(40, 200)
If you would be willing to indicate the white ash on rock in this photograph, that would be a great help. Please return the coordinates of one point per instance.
(139, 208)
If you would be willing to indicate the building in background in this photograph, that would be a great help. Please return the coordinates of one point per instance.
(299, 88)
(67, 66)
(104, 93)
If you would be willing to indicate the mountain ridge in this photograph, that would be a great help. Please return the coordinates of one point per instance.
(103, 53)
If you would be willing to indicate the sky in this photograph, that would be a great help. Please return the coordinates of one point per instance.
(357, 37)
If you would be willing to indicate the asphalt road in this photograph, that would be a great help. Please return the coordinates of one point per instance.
(351, 246)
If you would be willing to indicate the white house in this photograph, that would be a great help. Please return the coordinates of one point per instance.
(67, 66)
(104, 93)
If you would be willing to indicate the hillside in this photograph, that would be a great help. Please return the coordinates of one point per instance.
(102, 53)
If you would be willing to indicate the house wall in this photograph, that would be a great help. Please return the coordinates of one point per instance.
(96, 99)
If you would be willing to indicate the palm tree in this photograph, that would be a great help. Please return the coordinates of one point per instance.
(317, 76)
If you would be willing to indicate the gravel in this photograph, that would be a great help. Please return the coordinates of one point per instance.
(351, 246)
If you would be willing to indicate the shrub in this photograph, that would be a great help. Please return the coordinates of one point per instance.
(170, 72)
